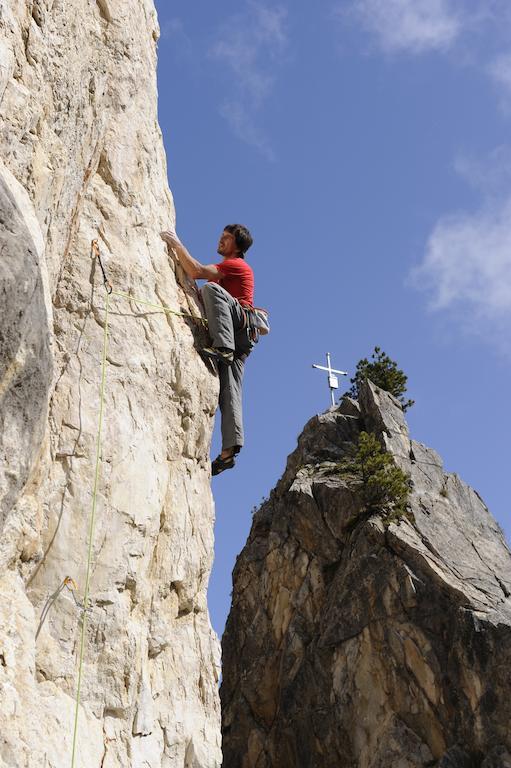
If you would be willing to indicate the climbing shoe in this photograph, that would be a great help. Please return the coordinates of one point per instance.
(219, 464)
(220, 354)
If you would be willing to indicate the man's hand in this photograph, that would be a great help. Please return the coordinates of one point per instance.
(193, 268)
(170, 237)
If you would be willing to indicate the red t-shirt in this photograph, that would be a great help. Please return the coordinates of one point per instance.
(237, 278)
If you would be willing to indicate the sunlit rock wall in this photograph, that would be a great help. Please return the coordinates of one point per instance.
(82, 158)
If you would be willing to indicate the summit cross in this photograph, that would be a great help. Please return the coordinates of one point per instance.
(333, 381)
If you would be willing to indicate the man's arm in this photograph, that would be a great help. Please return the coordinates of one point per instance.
(191, 266)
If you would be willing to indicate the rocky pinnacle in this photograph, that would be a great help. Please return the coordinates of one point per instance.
(357, 642)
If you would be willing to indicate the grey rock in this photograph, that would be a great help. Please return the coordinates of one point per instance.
(456, 758)
(499, 757)
(349, 407)
(26, 362)
(355, 643)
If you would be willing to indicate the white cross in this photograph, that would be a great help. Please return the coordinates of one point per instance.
(333, 381)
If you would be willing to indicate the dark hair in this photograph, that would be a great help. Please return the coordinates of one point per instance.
(242, 236)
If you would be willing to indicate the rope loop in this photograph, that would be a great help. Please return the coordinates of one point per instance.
(96, 254)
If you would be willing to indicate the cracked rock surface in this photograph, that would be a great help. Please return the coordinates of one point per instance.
(82, 158)
(358, 644)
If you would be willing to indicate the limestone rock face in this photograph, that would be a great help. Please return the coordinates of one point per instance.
(82, 158)
(359, 644)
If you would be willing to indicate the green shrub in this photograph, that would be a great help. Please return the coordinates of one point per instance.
(383, 486)
(383, 372)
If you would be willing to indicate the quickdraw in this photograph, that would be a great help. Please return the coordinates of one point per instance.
(95, 253)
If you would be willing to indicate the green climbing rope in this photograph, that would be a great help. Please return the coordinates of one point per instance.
(161, 307)
(95, 252)
(91, 528)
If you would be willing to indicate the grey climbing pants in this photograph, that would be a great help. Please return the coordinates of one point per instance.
(226, 321)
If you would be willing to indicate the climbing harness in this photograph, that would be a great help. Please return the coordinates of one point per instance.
(257, 320)
(96, 254)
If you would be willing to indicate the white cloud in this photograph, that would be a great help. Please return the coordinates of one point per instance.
(250, 45)
(468, 260)
(500, 71)
(412, 26)
(490, 174)
(174, 28)
(467, 270)
(243, 124)
(182, 46)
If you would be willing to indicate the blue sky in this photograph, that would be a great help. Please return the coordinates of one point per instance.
(366, 146)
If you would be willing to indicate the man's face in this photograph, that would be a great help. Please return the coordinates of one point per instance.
(226, 244)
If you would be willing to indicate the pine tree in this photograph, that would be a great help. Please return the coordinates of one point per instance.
(383, 372)
(383, 486)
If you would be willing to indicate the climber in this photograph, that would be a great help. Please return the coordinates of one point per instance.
(226, 295)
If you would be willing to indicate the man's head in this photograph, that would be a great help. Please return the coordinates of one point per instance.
(234, 241)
